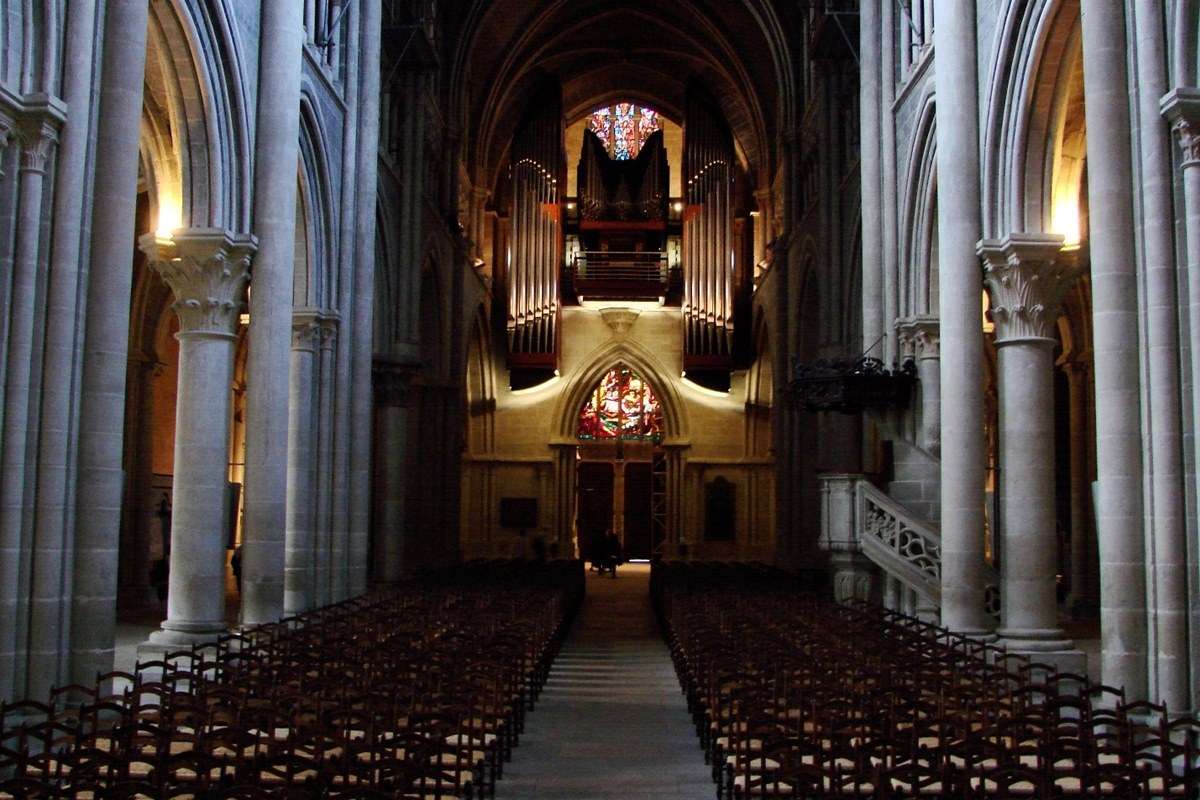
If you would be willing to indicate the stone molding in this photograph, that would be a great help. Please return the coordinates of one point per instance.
(1027, 275)
(919, 336)
(208, 270)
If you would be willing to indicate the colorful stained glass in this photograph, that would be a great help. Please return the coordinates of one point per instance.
(622, 406)
(623, 128)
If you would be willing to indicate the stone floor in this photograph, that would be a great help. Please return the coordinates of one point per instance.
(611, 722)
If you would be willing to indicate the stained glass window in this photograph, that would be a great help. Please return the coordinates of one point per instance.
(624, 128)
(622, 406)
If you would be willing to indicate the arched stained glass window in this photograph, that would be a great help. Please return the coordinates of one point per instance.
(624, 128)
(622, 406)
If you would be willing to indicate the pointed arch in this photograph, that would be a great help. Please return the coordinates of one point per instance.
(316, 199)
(676, 424)
(1037, 42)
(918, 246)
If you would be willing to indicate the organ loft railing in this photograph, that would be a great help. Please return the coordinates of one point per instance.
(708, 237)
(538, 164)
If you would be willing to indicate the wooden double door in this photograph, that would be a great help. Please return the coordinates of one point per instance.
(616, 495)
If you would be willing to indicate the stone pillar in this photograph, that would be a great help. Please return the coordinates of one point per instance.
(301, 468)
(36, 132)
(960, 290)
(207, 270)
(922, 334)
(57, 445)
(1027, 276)
(326, 524)
(566, 473)
(391, 380)
(853, 573)
(362, 325)
(872, 199)
(106, 340)
(276, 155)
(1119, 517)
(1182, 108)
(1166, 513)
(1082, 598)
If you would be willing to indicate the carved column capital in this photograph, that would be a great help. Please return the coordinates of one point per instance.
(328, 323)
(207, 270)
(920, 335)
(36, 130)
(1181, 107)
(306, 329)
(1027, 275)
(391, 381)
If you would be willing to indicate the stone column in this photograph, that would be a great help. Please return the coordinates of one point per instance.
(358, 544)
(960, 290)
(36, 132)
(276, 155)
(106, 340)
(1182, 109)
(1027, 276)
(872, 198)
(57, 444)
(922, 333)
(298, 557)
(1081, 600)
(207, 270)
(391, 379)
(326, 526)
(1115, 324)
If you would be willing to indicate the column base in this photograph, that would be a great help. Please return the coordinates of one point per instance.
(1045, 647)
(180, 636)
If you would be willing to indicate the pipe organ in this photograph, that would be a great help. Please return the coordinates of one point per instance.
(633, 190)
(538, 165)
(708, 238)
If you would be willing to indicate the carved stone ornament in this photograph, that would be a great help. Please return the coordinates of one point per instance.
(306, 329)
(1181, 107)
(1027, 276)
(920, 334)
(620, 320)
(32, 123)
(207, 269)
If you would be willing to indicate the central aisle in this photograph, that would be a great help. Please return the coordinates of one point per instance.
(611, 722)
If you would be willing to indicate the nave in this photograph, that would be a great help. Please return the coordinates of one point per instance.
(487, 681)
(611, 721)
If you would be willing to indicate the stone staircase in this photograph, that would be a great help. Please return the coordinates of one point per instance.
(881, 543)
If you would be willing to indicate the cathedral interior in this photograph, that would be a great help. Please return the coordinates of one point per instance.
(409, 398)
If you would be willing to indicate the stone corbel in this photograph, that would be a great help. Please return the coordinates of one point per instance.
(208, 270)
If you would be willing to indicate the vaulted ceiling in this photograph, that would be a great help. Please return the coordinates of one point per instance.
(601, 50)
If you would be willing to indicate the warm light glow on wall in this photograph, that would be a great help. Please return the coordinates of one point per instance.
(988, 325)
(170, 214)
(1065, 220)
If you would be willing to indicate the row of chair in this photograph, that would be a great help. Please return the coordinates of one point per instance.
(795, 696)
(419, 691)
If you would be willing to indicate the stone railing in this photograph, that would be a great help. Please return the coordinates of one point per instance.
(898, 543)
